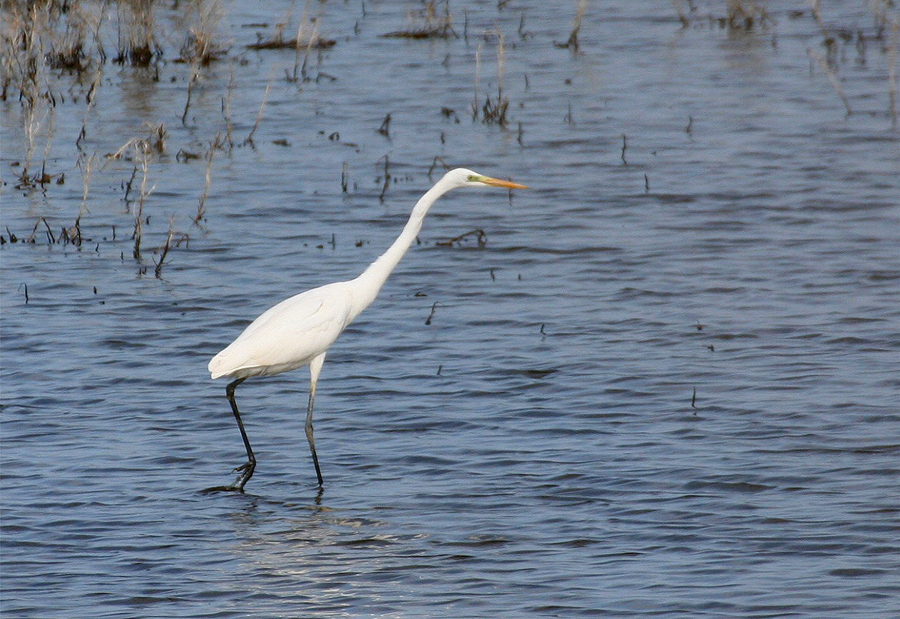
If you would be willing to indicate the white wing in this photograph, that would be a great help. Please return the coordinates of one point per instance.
(288, 335)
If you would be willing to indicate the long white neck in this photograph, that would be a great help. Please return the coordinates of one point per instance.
(369, 283)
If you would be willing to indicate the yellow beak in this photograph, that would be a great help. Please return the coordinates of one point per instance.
(496, 182)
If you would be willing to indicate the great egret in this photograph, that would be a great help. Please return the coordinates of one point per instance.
(299, 330)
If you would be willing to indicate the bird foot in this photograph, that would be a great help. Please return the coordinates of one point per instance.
(246, 472)
(244, 467)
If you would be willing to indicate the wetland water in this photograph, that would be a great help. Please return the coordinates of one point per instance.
(666, 385)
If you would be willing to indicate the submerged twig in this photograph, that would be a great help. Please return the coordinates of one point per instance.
(457, 240)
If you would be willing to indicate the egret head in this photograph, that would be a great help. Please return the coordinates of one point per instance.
(461, 177)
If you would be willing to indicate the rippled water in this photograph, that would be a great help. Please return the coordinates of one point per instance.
(667, 385)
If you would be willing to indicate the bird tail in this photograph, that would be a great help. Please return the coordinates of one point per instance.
(217, 366)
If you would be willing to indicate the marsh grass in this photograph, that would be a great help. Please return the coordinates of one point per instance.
(745, 14)
(26, 44)
(572, 41)
(494, 109)
(428, 23)
(307, 36)
(200, 46)
(68, 51)
(136, 40)
(173, 239)
(740, 15)
(86, 165)
(214, 145)
(140, 151)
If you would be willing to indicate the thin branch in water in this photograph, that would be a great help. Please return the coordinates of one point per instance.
(259, 114)
(50, 237)
(387, 179)
(195, 77)
(385, 128)
(494, 110)
(457, 240)
(892, 70)
(214, 144)
(431, 315)
(165, 249)
(831, 77)
(477, 77)
(86, 165)
(142, 156)
(226, 111)
(434, 165)
(817, 14)
(572, 42)
(682, 16)
(91, 97)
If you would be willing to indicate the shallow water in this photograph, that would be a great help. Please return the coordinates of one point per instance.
(666, 385)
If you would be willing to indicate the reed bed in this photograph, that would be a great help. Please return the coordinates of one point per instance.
(56, 57)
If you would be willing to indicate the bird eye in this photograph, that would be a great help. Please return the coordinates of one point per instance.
(472, 178)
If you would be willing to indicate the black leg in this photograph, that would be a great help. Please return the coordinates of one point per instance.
(245, 469)
(309, 433)
(315, 366)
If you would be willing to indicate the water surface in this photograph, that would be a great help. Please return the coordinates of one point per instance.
(666, 385)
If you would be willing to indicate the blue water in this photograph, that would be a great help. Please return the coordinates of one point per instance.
(667, 385)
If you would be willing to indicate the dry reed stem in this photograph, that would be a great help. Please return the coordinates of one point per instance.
(142, 151)
(682, 16)
(311, 41)
(91, 98)
(142, 154)
(494, 110)
(572, 42)
(195, 76)
(226, 111)
(477, 77)
(817, 14)
(823, 64)
(86, 165)
(249, 139)
(434, 26)
(199, 46)
(214, 144)
(892, 71)
(387, 178)
(137, 44)
(165, 247)
(478, 233)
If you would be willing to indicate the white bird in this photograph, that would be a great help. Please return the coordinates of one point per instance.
(299, 330)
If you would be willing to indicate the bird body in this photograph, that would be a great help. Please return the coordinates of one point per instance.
(299, 330)
(289, 335)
